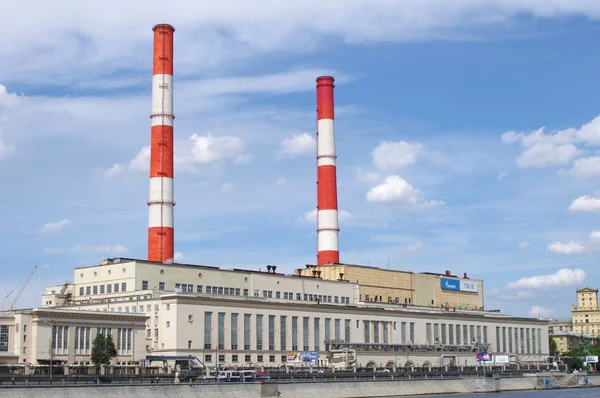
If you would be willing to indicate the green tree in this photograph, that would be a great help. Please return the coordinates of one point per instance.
(553, 346)
(103, 349)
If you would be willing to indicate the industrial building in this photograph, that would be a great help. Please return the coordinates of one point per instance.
(331, 314)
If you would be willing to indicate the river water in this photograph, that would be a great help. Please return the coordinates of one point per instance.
(591, 392)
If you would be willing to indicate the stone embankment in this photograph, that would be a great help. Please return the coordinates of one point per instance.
(306, 389)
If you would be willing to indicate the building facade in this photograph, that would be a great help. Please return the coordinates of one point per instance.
(567, 341)
(586, 314)
(65, 336)
(242, 317)
(401, 287)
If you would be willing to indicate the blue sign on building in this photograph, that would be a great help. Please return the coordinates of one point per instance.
(450, 284)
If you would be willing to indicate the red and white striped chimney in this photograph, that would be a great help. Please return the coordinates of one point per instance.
(160, 203)
(327, 206)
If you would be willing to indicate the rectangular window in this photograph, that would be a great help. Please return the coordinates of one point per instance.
(144, 285)
(347, 330)
(259, 332)
(317, 336)
(294, 333)
(207, 330)
(234, 331)
(247, 331)
(234, 358)
(245, 292)
(403, 333)
(221, 330)
(436, 333)
(95, 290)
(124, 286)
(376, 332)
(522, 340)
(498, 338)
(336, 331)
(428, 333)
(479, 334)
(504, 339)
(219, 291)
(510, 340)
(88, 290)
(458, 339)
(444, 341)
(109, 288)
(282, 332)
(305, 333)
(471, 333)
(533, 341)
(271, 332)
(412, 332)
(451, 334)
(367, 331)
(527, 335)
(465, 334)
(539, 332)
(485, 337)
(386, 336)
(198, 288)
(327, 330)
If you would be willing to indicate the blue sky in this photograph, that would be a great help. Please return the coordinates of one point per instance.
(466, 134)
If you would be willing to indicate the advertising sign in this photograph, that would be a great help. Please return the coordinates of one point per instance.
(461, 285)
(501, 359)
(302, 357)
(483, 357)
(468, 286)
(450, 284)
(591, 358)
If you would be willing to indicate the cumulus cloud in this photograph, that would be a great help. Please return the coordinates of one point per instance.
(54, 227)
(298, 145)
(6, 149)
(563, 277)
(397, 190)
(585, 203)
(190, 154)
(567, 248)
(541, 149)
(393, 157)
(537, 311)
(9, 101)
(118, 249)
(178, 256)
(584, 168)
(414, 248)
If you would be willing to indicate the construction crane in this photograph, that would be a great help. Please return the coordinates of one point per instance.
(20, 290)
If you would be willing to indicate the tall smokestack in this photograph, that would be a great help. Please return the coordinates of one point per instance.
(160, 203)
(327, 206)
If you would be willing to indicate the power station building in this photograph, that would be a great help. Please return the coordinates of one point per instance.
(332, 314)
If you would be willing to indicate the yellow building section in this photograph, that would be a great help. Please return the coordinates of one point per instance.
(586, 314)
(401, 287)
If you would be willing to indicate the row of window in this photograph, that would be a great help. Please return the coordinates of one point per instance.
(101, 289)
(310, 326)
(3, 338)
(217, 290)
(208, 358)
(82, 339)
(525, 336)
(449, 337)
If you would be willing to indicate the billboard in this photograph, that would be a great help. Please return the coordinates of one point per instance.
(302, 357)
(483, 357)
(458, 285)
(591, 358)
(501, 359)
(450, 284)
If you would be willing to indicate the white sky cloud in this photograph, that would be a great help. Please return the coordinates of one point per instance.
(414, 248)
(190, 154)
(178, 256)
(393, 157)
(299, 145)
(54, 227)
(6, 149)
(311, 216)
(567, 248)
(397, 190)
(118, 249)
(524, 244)
(562, 277)
(537, 311)
(554, 148)
(585, 203)
(585, 168)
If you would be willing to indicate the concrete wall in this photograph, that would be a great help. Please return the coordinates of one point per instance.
(343, 389)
